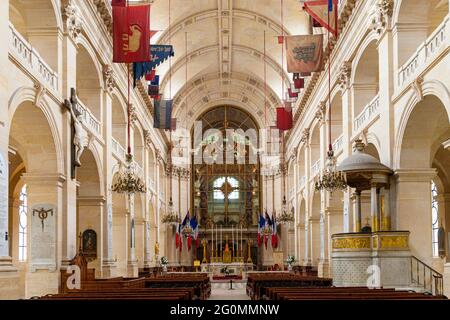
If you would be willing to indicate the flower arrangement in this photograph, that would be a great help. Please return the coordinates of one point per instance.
(164, 261)
(290, 259)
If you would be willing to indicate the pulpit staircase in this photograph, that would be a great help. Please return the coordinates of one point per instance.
(425, 279)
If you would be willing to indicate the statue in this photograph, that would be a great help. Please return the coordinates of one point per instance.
(79, 136)
(156, 249)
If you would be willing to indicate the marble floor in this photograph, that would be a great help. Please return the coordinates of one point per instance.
(221, 291)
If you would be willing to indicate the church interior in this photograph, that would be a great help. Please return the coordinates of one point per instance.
(290, 149)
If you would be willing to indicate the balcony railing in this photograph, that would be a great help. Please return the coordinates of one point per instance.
(30, 59)
(315, 168)
(425, 54)
(88, 118)
(118, 150)
(338, 143)
(368, 114)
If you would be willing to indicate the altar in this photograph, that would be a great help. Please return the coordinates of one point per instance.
(222, 270)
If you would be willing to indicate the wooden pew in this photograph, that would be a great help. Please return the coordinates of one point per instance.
(176, 286)
(347, 293)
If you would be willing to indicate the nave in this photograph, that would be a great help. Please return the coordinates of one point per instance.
(220, 157)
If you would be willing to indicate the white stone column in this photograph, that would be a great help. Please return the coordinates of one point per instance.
(347, 226)
(413, 211)
(324, 133)
(43, 261)
(132, 267)
(357, 211)
(67, 80)
(314, 238)
(108, 265)
(295, 205)
(374, 208)
(308, 229)
(386, 218)
(386, 90)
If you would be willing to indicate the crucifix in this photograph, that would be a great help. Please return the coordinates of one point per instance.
(78, 135)
(43, 215)
(227, 189)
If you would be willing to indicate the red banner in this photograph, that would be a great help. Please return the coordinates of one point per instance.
(284, 118)
(131, 34)
(119, 3)
(318, 10)
(304, 53)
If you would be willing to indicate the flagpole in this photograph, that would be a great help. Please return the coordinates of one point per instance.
(232, 241)
(242, 256)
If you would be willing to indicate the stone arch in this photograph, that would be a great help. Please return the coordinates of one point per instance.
(42, 34)
(119, 120)
(28, 95)
(90, 200)
(431, 88)
(291, 178)
(422, 129)
(314, 145)
(336, 116)
(415, 21)
(32, 135)
(365, 78)
(138, 146)
(301, 166)
(151, 164)
(89, 78)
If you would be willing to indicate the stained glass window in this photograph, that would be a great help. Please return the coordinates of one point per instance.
(226, 183)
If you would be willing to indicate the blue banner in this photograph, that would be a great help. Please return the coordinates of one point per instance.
(158, 54)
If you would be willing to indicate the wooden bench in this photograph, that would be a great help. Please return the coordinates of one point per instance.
(347, 293)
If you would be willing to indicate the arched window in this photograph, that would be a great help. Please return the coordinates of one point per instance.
(23, 211)
(227, 185)
(434, 218)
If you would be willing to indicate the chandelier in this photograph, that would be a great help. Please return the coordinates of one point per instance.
(285, 216)
(171, 217)
(331, 179)
(127, 179)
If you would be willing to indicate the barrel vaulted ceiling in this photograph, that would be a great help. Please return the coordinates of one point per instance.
(225, 53)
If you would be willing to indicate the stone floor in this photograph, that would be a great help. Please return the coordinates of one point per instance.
(221, 291)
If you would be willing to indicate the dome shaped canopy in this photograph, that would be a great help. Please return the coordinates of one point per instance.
(360, 162)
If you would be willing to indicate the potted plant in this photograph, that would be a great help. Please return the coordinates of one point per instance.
(164, 263)
(290, 260)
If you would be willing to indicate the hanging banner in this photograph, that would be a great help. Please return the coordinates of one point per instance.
(304, 53)
(153, 87)
(162, 114)
(284, 119)
(173, 124)
(299, 83)
(131, 34)
(158, 54)
(119, 3)
(322, 11)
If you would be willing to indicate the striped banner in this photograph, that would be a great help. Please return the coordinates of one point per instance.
(163, 114)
